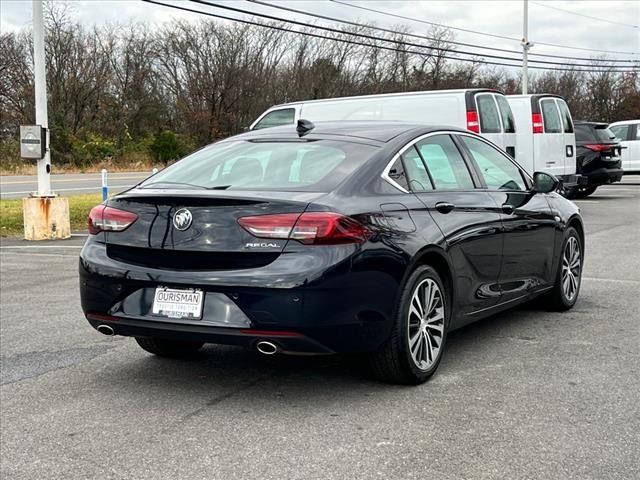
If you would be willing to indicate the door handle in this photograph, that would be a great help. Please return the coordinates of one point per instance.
(508, 209)
(569, 150)
(444, 207)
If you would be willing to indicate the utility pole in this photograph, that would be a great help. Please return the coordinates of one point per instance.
(40, 82)
(526, 45)
(45, 215)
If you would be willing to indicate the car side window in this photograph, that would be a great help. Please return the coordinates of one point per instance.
(488, 113)
(398, 175)
(417, 177)
(498, 171)
(445, 163)
(507, 115)
(550, 116)
(566, 117)
(283, 116)
(621, 131)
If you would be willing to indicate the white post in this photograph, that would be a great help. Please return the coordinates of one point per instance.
(40, 81)
(525, 48)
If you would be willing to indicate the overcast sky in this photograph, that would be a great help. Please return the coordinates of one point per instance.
(614, 26)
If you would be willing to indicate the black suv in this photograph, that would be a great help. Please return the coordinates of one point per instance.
(597, 156)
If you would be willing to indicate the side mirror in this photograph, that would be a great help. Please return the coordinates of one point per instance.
(544, 183)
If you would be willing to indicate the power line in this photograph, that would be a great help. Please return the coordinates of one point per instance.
(343, 40)
(585, 16)
(396, 41)
(423, 37)
(480, 33)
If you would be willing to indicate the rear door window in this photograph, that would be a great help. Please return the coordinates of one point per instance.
(566, 117)
(550, 116)
(445, 163)
(488, 113)
(283, 116)
(498, 171)
(506, 114)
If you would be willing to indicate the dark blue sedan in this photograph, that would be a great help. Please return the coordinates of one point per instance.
(338, 237)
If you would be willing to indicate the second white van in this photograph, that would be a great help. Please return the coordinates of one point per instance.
(546, 140)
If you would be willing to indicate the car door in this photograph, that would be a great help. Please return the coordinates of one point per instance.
(508, 125)
(569, 138)
(527, 220)
(629, 136)
(550, 145)
(440, 177)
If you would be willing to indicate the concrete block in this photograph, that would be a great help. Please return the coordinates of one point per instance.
(46, 218)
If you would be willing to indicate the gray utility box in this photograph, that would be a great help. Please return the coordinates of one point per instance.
(33, 142)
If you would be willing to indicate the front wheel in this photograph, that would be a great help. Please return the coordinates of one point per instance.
(168, 348)
(413, 351)
(565, 291)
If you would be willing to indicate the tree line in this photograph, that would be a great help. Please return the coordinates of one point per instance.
(134, 92)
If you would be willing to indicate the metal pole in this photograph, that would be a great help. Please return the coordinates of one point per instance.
(525, 48)
(40, 82)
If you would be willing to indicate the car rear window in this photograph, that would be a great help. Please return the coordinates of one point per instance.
(594, 133)
(296, 165)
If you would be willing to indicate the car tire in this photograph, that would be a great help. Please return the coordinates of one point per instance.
(168, 348)
(558, 298)
(584, 192)
(408, 357)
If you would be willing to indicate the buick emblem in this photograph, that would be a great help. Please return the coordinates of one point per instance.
(182, 219)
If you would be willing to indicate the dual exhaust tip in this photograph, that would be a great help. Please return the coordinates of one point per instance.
(265, 347)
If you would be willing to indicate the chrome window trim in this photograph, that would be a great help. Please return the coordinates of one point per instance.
(385, 173)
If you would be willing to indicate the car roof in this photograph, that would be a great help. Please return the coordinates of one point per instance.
(625, 122)
(584, 122)
(376, 131)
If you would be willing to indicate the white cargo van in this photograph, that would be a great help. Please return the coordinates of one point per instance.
(482, 111)
(628, 132)
(546, 141)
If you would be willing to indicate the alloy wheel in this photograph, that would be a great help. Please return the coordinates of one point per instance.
(426, 323)
(571, 262)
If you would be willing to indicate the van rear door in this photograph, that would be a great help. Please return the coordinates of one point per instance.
(496, 121)
(569, 138)
(549, 145)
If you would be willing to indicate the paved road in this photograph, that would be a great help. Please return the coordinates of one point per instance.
(526, 394)
(68, 184)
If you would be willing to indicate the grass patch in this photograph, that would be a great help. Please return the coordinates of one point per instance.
(11, 213)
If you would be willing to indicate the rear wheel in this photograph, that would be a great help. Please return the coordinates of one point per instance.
(414, 349)
(565, 291)
(584, 192)
(168, 348)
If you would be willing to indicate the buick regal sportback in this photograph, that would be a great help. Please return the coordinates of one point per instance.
(378, 238)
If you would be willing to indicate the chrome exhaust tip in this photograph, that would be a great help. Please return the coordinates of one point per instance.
(106, 330)
(267, 348)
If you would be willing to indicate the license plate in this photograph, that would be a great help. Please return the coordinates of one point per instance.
(178, 303)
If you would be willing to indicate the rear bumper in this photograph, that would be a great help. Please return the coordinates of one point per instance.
(333, 299)
(288, 342)
(603, 176)
(572, 181)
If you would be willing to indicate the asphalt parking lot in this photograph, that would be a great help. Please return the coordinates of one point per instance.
(526, 394)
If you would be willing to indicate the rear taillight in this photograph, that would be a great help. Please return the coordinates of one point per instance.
(472, 122)
(109, 219)
(536, 122)
(310, 228)
(598, 147)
